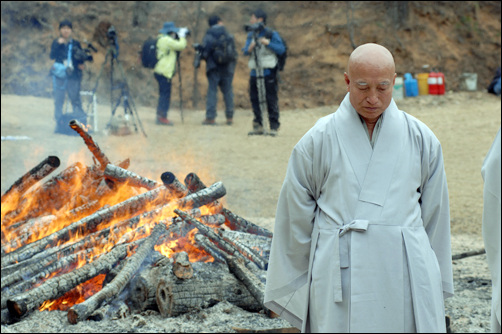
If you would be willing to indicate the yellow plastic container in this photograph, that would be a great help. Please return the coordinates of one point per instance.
(423, 86)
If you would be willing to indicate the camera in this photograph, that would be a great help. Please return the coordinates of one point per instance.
(111, 34)
(83, 55)
(256, 27)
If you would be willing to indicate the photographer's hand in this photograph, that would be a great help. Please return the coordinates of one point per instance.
(264, 41)
(182, 32)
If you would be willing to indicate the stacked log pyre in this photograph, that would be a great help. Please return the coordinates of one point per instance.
(99, 239)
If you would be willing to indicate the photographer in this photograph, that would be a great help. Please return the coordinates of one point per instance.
(66, 75)
(218, 49)
(263, 45)
(171, 40)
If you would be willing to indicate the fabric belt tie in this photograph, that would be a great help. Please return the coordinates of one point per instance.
(355, 225)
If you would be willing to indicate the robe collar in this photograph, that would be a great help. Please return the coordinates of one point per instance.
(375, 166)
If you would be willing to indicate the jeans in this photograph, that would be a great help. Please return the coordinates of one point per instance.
(164, 95)
(271, 90)
(223, 80)
(60, 88)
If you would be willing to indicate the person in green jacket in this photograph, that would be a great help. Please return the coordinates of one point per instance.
(171, 40)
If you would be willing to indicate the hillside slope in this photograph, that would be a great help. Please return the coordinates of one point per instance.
(453, 37)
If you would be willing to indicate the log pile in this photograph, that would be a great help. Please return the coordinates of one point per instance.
(98, 239)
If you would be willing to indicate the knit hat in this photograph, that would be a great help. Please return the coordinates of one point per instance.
(213, 19)
(168, 28)
(65, 23)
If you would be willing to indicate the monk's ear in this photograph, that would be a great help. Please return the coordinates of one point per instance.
(347, 80)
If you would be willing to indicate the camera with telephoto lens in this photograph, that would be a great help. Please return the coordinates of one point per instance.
(255, 27)
(198, 54)
(83, 55)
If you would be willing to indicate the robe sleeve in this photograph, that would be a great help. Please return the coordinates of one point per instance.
(289, 258)
(436, 209)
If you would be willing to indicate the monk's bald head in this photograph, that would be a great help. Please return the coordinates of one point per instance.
(370, 79)
(371, 55)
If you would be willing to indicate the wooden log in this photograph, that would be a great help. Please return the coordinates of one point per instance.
(91, 145)
(143, 286)
(252, 283)
(34, 175)
(260, 244)
(468, 254)
(204, 243)
(49, 197)
(182, 267)
(173, 184)
(55, 287)
(81, 311)
(194, 184)
(211, 284)
(23, 280)
(36, 226)
(118, 174)
(213, 220)
(237, 223)
(88, 224)
(249, 253)
(208, 232)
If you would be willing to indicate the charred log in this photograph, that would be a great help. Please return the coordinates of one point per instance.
(56, 287)
(93, 147)
(237, 223)
(212, 284)
(82, 311)
(37, 173)
(173, 184)
(119, 174)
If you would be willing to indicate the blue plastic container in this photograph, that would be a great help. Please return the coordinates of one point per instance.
(410, 85)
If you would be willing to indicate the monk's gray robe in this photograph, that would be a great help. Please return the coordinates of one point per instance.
(362, 234)
(491, 171)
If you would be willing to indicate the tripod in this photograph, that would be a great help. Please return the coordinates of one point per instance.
(130, 112)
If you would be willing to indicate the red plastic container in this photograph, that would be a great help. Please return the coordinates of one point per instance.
(433, 83)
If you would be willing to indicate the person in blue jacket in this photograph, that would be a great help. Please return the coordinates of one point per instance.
(268, 45)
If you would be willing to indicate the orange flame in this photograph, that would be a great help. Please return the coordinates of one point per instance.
(43, 211)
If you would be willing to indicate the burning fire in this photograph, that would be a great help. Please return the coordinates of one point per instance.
(56, 204)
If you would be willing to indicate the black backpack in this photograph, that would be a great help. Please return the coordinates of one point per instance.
(223, 49)
(281, 59)
(149, 53)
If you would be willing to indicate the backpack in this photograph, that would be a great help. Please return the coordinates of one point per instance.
(149, 53)
(281, 59)
(223, 50)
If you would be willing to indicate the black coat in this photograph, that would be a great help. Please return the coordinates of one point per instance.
(59, 52)
(209, 39)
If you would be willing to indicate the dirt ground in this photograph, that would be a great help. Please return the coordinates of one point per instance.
(252, 168)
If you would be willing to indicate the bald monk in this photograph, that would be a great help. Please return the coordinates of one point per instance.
(362, 232)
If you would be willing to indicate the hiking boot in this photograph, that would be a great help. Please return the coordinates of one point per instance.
(163, 121)
(230, 121)
(209, 122)
(257, 130)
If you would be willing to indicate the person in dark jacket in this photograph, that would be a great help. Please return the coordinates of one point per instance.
(66, 76)
(218, 74)
(263, 46)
